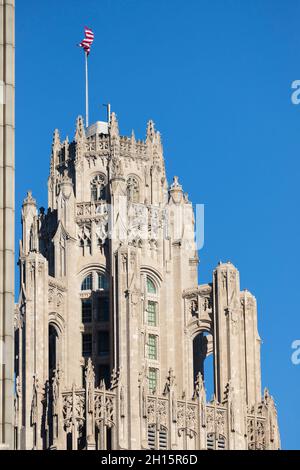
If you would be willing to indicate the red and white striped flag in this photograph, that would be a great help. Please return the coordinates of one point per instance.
(87, 41)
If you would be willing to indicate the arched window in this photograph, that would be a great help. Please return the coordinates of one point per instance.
(87, 283)
(84, 238)
(133, 191)
(95, 318)
(53, 346)
(152, 302)
(98, 188)
(151, 288)
(203, 360)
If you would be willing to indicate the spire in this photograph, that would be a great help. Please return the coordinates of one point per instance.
(114, 126)
(150, 131)
(29, 199)
(56, 139)
(175, 184)
(80, 133)
(133, 141)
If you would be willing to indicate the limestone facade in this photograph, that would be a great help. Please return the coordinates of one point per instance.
(112, 329)
(7, 164)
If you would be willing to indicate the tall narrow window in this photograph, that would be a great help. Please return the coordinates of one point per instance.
(102, 281)
(152, 379)
(86, 310)
(151, 436)
(98, 186)
(151, 313)
(86, 345)
(152, 347)
(102, 309)
(133, 192)
(103, 343)
(151, 289)
(87, 283)
(162, 439)
(53, 343)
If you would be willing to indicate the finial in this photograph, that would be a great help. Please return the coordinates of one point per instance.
(175, 183)
(56, 137)
(150, 131)
(29, 199)
(114, 126)
(80, 133)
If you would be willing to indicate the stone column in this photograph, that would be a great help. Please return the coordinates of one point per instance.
(7, 129)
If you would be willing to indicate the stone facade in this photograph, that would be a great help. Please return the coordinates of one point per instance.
(112, 328)
(7, 163)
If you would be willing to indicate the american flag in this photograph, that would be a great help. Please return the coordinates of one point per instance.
(87, 41)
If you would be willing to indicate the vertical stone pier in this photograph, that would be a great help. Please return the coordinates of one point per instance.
(7, 164)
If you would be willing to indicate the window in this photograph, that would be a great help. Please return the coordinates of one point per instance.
(102, 309)
(87, 283)
(162, 438)
(210, 441)
(152, 379)
(84, 239)
(103, 343)
(133, 192)
(98, 185)
(152, 313)
(86, 310)
(151, 289)
(151, 437)
(221, 442)
(213, 443)
(86, 345)
(152, 347)
(102, 281)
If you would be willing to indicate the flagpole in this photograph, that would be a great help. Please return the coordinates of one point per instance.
(86, 91)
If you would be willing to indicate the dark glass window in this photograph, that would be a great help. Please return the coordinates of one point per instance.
(86, 310)
(103, 343)
(102, 309)
(102, 281)
(87, 283)
(86, 345)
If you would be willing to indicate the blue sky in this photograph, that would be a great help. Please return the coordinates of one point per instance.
(215, 76)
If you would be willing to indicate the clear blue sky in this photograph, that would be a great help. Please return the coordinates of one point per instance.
(215, 76)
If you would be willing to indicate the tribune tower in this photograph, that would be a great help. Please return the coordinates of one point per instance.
(112, 329)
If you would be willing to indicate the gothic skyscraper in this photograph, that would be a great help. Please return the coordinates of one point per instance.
(112, 328)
